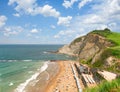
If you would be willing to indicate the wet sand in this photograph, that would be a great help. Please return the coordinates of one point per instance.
(44, 78)
(57, 78)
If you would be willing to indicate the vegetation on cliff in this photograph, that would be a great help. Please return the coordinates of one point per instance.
(113, 86)
(94, 49)
(99, 49)
(113, 51)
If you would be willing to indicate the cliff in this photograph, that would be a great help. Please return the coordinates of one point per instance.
(91, 46)
(87, 46)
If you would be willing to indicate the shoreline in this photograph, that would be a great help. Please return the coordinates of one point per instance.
(57, 77)
(40, 83)
(22, 86)
(53, 80)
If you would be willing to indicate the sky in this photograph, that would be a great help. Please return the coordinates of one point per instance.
(55, 21)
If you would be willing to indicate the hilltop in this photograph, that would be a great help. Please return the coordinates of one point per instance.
(99, 48)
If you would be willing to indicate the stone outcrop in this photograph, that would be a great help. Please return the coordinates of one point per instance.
(111, 61)
(89, 47)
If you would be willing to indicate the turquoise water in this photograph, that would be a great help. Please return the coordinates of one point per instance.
(19, 62)
(15, 72)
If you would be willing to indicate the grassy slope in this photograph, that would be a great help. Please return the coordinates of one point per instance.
(115, 37)
(113, 86)
(112, 51)
(116, 49)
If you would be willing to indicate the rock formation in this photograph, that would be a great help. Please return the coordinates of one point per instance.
(89, 47)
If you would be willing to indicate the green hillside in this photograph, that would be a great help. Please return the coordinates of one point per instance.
(113, 86)
(111, 36)
(113, 51)
(105, 86)
(114, 38)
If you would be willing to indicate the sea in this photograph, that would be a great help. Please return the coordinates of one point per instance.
(19, 64)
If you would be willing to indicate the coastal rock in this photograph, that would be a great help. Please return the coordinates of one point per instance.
(111, 61)
(92, 45)
(96, 57)
(89, 47)
(66, 50)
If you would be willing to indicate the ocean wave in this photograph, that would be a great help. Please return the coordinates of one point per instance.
(27, 60)
(11, 60)
(15, 60)
(25, 67)
(44, 67)
(45, 52)
(11, 84)
(30, 71)
(8, 60)
(22, 86)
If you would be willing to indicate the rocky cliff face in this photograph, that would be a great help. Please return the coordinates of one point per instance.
(87, 47)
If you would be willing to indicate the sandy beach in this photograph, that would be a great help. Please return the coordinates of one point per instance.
(58, 77)
(64, 80)
(42, 81)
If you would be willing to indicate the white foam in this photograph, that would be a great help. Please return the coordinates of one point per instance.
(3, 60)
(11, 84)
(44, 67)
(45, 52)
(25, 67)
(11, 60)
(15, 60)
(22, 86)
(30, 72)
(8, 60)
(27, 60)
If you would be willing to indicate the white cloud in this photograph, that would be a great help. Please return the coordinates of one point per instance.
(56, 36)
(31, 7)
(10, 33)
(29, 35)
(34, 30)
(68, 3)
(108, 10)
(2, 20)
(12, 30)
(88, 23)
(47, 10)
(112, 24)
(64, 20)
(108, 7)
(102, 15)
(53, 27)
(101, 27)
(23, 5)
(16, 15)
(69, 33)
(64, 33)
(16, 30)
(83, 3)
(94, 19)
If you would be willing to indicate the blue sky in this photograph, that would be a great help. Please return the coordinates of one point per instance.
(55, 21)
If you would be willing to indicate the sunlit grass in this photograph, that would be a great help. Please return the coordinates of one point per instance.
(113, 86)
(114, 37)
